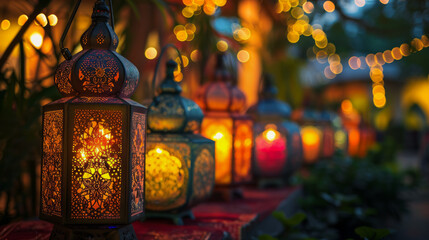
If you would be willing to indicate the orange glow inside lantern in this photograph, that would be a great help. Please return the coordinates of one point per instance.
(354, 140)
(311, 143)
(220, 131)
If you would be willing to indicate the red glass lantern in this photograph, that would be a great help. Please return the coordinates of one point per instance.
(224, 122)
(277, 144)
(93, 157)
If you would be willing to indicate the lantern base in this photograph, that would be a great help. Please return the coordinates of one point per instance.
(271, 183)
(72, 232)
(177, 217)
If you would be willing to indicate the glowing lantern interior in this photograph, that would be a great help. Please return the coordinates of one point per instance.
(166, 177)
(311, 137)
(354, 139)
(271, 151)
(242, 150)
(220, 131)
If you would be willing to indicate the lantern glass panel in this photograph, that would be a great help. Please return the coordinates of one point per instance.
(243, 150)
(311, 143)
(270, 150)
(220, 130)
(354, 139)
(180, 171)
(167, 175)
(51, 189)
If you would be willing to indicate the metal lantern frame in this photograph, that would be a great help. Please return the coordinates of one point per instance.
(94, 139)
(271, 114)
(222, 103)
(173, 121)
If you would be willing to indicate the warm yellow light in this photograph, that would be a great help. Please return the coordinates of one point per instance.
(329, 6)
(194, 55)
(150, 53)
(158, 150)
(222, 45)
(182, 36)
(405, 49)
(53, 19)
(396, 53)
(378, 89)
(310, 135)
(5, 24)
(243, 56)
(293, 36)
(328, 73)
(308, 7)
(209, 9)
(417, 44)
(336, 67)
(217, 136)
(387, 56)
(354, 63)
(270, 134)
(36, 40)
(187, 12)
(384, 1)
(22, 19)
(310, 143)
(360, 3)
(297, 12)
(346, 106)
(184, 59)
(41, 19)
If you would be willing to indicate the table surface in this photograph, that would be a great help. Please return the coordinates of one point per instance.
(214, 219)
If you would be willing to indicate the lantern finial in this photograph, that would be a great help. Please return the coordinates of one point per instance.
(169, 85)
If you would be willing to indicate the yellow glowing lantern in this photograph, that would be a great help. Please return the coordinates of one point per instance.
(93, 152)
(225, 123)
(311, 143)
(179, 164)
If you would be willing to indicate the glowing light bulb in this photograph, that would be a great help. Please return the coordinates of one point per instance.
(158, 150)
(36, 40)
(218, 136)
(150, 53)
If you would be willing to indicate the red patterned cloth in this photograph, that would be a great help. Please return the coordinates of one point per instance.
(213, 220)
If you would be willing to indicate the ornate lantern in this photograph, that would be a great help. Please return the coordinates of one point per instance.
(277, 142)
(180, 164)
(225, 123)
(93, 158)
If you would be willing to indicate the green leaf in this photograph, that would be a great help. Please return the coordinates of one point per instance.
(289, 222)
(266, 237)
(372, 233)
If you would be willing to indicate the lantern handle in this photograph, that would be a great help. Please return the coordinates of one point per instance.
(65, 51)
(170, 45)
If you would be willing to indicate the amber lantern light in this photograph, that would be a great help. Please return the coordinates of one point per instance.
(180, 164)
(93, 158)
(277, 149)
(225, 123)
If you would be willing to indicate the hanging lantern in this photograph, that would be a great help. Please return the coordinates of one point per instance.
(225, 123)
(93, 158)
(277, 142)
(180, 164)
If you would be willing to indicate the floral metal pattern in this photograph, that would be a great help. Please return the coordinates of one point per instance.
(137, 163)
(99, 72)
(166, 175)
(203, 174)
(51, 163)
(96, 164)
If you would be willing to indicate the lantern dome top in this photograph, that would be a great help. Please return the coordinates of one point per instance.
(97, 70)
(221, 93)
(170, 112)
(268, 106)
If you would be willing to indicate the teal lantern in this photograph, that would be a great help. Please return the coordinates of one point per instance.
(180, 165)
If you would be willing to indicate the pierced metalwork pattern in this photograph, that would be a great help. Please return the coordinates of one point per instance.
(96, 164)
(97, 100)
(167, 175)
(203, 175)
(99, 72)
(167, 115)
(52, 163)
(137, 162)
(131, 75)
(100, 38)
